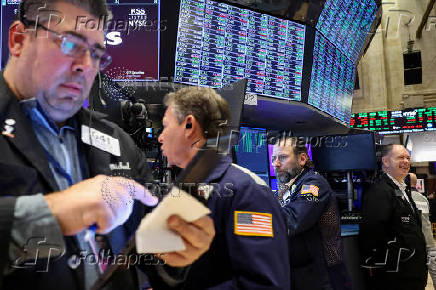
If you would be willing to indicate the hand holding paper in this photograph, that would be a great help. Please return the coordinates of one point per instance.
(179, 227)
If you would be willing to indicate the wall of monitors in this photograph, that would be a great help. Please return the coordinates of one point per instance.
(218, 43)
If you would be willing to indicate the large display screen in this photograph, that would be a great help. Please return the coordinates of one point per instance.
(346, 23)
(218, 44)
(9, 9)
(332, 80)
(394, 122)
(132, 39)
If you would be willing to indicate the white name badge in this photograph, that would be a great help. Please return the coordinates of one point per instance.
(100, 140)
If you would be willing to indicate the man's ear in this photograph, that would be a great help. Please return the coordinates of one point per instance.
(191, 125)
(302, 159)
(385, 161)
(17, 35)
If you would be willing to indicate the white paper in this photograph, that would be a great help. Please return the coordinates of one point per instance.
(153, 234)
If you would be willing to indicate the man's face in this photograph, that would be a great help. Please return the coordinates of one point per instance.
(397, 162)
(175, 146)
(285, 162)
(60, 83)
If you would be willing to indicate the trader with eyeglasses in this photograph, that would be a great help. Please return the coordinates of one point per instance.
(55, 189)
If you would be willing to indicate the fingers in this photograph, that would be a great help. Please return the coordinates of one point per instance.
(197, 237)
(144, 196)
(101, 217)
(206, 224)
(182, 258)
(135, 190)
(198, 233)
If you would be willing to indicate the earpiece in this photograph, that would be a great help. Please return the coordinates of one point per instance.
(188, 126)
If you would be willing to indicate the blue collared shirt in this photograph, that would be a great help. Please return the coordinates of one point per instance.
(61, 148)
(60, 144)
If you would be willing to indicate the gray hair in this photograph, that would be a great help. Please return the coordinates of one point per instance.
(207, 106)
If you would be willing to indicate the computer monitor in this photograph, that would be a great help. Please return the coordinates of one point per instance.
(133, 40)
(347, 24)
(345, 153)
(332, 80)
(218, 43)
(252, 151)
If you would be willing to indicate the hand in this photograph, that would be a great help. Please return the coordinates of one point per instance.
(197, 236)
(102, 200)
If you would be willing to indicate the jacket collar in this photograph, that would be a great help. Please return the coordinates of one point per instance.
(24, 138)
(218, 172)
(389, 181)
(300, 176)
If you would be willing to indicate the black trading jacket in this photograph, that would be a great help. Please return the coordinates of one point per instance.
(391, 232)
(24, 170)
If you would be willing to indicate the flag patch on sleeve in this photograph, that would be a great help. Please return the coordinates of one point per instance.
(249, 223)
(310, 189)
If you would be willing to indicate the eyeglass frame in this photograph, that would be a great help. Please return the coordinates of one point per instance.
(62, 37)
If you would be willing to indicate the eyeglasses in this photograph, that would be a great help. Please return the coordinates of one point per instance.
(281, 158)
(76, 47)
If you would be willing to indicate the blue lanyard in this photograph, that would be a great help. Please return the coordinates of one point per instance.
(58, 167)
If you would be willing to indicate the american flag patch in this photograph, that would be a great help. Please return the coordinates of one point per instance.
(310, 189)
(253, 224)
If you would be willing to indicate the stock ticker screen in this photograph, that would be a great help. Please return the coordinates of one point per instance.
(218, 44)
(9, 10)
(346, 23)
(133, 39)
(332, 80)
(394, 122)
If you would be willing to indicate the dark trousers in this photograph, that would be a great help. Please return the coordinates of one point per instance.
(393, 281)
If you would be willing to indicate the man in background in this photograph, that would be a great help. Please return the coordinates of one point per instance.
(393, 246)
(313, 220)
(423, 206)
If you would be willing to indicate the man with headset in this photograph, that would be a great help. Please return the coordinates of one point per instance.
(250, 248)
(52, 159)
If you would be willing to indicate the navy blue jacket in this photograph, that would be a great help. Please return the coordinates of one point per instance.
(235, 261)
(314, 231)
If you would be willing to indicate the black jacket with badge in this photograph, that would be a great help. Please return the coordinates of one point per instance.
(24, 170)
(390, 232)
(314, 231)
